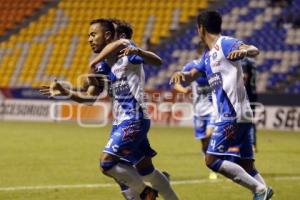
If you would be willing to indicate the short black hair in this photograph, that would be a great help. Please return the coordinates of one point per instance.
(211, 21)
(106, 24)
(123, 27)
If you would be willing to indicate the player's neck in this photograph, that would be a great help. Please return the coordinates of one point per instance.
(211, 39)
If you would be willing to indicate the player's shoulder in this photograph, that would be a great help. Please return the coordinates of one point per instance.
(135, 59)
(229, 44)
(225, 37)
(190, 65)
(102, 68)
(228, 41)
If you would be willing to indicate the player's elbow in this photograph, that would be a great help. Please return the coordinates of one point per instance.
(122, 43)
(253, 52)
(157, 62)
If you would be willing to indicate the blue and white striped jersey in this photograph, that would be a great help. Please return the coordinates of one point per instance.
(225, 78)
(127, 83)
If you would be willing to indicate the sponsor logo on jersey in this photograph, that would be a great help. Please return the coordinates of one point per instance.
(118, 70)
(121, 88)
(215, 81)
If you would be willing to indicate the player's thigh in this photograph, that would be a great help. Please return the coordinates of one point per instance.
(144, 154)
(106, 157)
(144, 164)
(247, 164)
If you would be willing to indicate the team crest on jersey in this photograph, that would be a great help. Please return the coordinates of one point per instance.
(120, 61)
(214, 56)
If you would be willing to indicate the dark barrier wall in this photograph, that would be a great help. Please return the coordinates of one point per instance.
(279, 99)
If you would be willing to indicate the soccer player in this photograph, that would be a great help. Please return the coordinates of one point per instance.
(128, 144)
(203, 108)
(249, 71)
(127, 86)
(230, 139)
(124, 31)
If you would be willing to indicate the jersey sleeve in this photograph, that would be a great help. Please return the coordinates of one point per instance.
(189, 66)
(200, 66)
(135, 59)
(229, 45)
(102, 68)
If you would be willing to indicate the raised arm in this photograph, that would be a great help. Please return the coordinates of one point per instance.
(148, 56)
(112, 49)
(243, 51)
(185, 77)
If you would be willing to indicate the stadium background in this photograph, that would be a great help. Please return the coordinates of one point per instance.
(44, 39)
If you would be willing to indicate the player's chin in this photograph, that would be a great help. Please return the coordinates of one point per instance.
(95, 49)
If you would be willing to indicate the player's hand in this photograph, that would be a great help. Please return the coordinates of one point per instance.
(53, 90)
(177, 78)
(237, 54)
(129, 51)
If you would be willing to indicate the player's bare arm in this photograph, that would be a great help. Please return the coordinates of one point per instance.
(181, 88)
(56, 89)
(122, 48)
(185, 77)
(110, 50)
(243, 51)
(148, 56)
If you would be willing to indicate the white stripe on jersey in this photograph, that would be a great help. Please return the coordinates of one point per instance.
(226, 79)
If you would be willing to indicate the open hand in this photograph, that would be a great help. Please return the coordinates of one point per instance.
(128, 51)
(53, 90)
(177, 78)
(237, 54)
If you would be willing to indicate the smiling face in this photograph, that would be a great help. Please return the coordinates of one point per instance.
(97, 38)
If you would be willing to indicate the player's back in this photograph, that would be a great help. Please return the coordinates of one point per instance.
(226, 80)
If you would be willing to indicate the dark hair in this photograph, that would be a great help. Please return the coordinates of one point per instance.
(211, 21)
(106, 24)
(123, 27)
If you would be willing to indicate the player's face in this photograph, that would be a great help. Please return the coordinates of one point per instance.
(96, 38)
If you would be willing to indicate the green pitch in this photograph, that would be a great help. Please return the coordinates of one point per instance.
(59, 161)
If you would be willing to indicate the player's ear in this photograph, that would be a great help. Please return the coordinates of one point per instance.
(200, 30)
(108, 35)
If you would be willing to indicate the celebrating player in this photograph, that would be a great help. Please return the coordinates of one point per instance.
(230, 139)
(128, 144)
